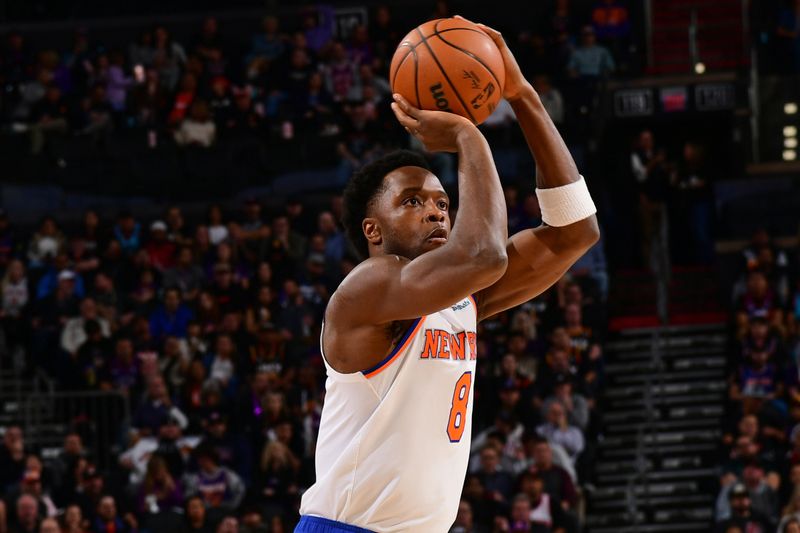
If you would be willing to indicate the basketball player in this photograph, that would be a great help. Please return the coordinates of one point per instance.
(398, 338)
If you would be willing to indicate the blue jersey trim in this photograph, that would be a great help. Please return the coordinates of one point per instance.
(397, 348)
(317, 524)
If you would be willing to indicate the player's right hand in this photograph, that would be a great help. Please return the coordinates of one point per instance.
(437, 130)
(515, 82)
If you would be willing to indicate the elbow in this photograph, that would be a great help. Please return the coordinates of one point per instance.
(491, 263)
(591, 232)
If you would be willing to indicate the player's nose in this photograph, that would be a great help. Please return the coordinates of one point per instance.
(434, 215)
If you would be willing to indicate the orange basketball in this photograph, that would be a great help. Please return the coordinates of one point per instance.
(449, 65)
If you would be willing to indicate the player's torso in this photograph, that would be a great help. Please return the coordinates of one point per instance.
(394, 440)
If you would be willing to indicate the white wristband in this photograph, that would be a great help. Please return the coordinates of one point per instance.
(564, 205)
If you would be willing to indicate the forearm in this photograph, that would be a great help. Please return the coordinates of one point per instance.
(483, 226)
(555, 164)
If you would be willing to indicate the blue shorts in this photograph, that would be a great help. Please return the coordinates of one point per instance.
(315, 524)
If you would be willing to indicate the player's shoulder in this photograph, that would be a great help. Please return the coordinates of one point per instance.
(365, 282)
(375, 270)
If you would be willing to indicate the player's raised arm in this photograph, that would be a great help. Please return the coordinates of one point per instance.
(430, 267)
(537, 258)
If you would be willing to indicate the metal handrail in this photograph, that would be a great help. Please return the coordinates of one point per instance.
(693, 52)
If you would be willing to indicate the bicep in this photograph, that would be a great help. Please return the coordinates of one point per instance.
(537, 258)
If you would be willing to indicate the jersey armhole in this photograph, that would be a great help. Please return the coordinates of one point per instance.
(401, 346)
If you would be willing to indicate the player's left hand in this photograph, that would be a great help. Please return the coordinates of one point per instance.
(515, 81)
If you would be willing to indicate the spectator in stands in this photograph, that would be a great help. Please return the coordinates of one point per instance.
(557, 430)
(497, 482)
(590, 61)
(156, 409)
(219, 487)
(48, 119)
(159, 491)
(759, 300)
(27, 515)
(269, 44)
(551, 98)
(127, 232)
(108, 521)
(172, 318)
(756, 382)
(465, 521)
(742, 514)
(198, 129)
(545, 513)
(276, 483)
(341, 74)
(118, 82)
(58, 270)
(183, 99)
(73, 521)
(196, 520)
(46, 243)
(574, 404)
(73, 335)
(15, 305)
(168, 59)
(764, 500)
(49, 525)
(558, 483)
(185, 275)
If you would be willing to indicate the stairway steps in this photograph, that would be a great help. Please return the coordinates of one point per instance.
(674, 400)
(697, 410)
(652, 489)
(682, 527)
(684, 514)
(681, 449)
(661, 425)
(664, 501)
(655, 476)
(666, 389)
(670, 376)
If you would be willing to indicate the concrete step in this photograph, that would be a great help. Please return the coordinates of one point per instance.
(653, 489)
(663, 475)
(682, 527)
(684, 500)
(668, 377)
(666, 389)
(691, 399)
(661, 425)
(649, 451)
(677, 515)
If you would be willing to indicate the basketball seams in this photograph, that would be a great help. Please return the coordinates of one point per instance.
(446, 77)
(400, 64)
(437, 33)
(416, 77)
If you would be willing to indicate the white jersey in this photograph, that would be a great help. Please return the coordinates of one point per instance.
(394, 440)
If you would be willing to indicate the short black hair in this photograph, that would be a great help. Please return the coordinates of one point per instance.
(364, 185)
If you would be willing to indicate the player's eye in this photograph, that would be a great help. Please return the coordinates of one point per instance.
(412, 201)
(442, 205)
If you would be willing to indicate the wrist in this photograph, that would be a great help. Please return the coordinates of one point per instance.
(526, 92)
(466, 134)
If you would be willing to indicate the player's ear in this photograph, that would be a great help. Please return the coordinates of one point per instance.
(372, 230)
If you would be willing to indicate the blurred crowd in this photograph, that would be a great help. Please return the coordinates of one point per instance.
(295, 89)
(209, 330)
(760, 464)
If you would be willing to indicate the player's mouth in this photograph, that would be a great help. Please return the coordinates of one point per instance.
(437, 236)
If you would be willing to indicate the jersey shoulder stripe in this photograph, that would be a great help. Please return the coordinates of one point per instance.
(395, 353)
